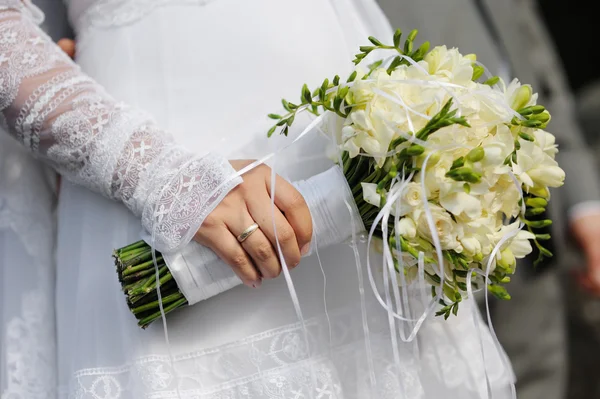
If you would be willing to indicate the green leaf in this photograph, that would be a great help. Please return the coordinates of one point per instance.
(336, 80)
(271, 131)
(542, 237)
(275, 116)
(397, 37)
(467, 188)
(286, 105)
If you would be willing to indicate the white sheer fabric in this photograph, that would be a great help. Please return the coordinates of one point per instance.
(210, 73)
(27, 318)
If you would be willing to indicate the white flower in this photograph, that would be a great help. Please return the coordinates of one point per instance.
(536, 168)
(406, 227)
(370, 194)
(519, 96)
(520, 244)
(461, 202)
(471, 245)
(547, 142)
(443, 225)
(449, 63)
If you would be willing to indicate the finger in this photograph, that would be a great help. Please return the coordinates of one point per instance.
(258, 246)
(226, 246)
(282, 232)
(68, 46)
(293, 206)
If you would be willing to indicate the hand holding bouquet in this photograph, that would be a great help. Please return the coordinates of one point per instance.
(448, 168)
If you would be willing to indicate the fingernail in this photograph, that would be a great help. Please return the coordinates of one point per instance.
(257, 284)
(305, 249)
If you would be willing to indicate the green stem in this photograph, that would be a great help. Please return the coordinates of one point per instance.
(155, 304)
(149, 319)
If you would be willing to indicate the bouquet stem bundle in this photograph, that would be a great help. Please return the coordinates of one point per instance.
(138, 277)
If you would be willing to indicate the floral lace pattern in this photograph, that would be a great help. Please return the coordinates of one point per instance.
(68, 120)
(278, 364)
(328, 362)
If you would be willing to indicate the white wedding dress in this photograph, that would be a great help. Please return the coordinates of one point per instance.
(209, 71)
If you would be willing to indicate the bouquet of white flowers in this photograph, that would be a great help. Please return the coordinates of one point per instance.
(450, 170)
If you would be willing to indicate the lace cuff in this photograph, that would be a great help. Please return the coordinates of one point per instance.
(70, 122)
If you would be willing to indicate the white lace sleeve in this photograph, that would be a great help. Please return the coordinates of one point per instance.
(69, 121)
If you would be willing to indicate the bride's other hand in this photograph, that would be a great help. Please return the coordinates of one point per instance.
(257, 257)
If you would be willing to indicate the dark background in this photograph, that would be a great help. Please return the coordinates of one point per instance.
(574, 26)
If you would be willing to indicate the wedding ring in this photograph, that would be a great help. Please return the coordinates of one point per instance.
(247, 233)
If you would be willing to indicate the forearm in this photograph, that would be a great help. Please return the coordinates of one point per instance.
(70, 122)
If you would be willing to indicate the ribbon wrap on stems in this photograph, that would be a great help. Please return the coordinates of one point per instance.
(201, 274)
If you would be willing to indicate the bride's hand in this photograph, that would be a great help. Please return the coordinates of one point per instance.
(250, 202)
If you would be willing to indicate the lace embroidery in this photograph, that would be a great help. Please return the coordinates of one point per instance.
(65, 118)
(275, 364)
(278, 364)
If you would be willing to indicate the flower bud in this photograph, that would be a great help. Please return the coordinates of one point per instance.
(538, 224)
(464, 174)
(526, 137)
(499, 292)
(476, 154)
(522, 97)
(534, 211)
(540, 191)
(534, 109)
(543, 117)
(536, 202)
(507, 260)
(477, 72)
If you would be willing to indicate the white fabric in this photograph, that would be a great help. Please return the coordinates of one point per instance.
(210, 73)
(27, 319)
(200, 274)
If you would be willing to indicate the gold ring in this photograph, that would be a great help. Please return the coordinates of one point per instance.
(247, 233)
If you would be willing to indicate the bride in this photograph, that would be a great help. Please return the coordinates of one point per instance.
(208, 71)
